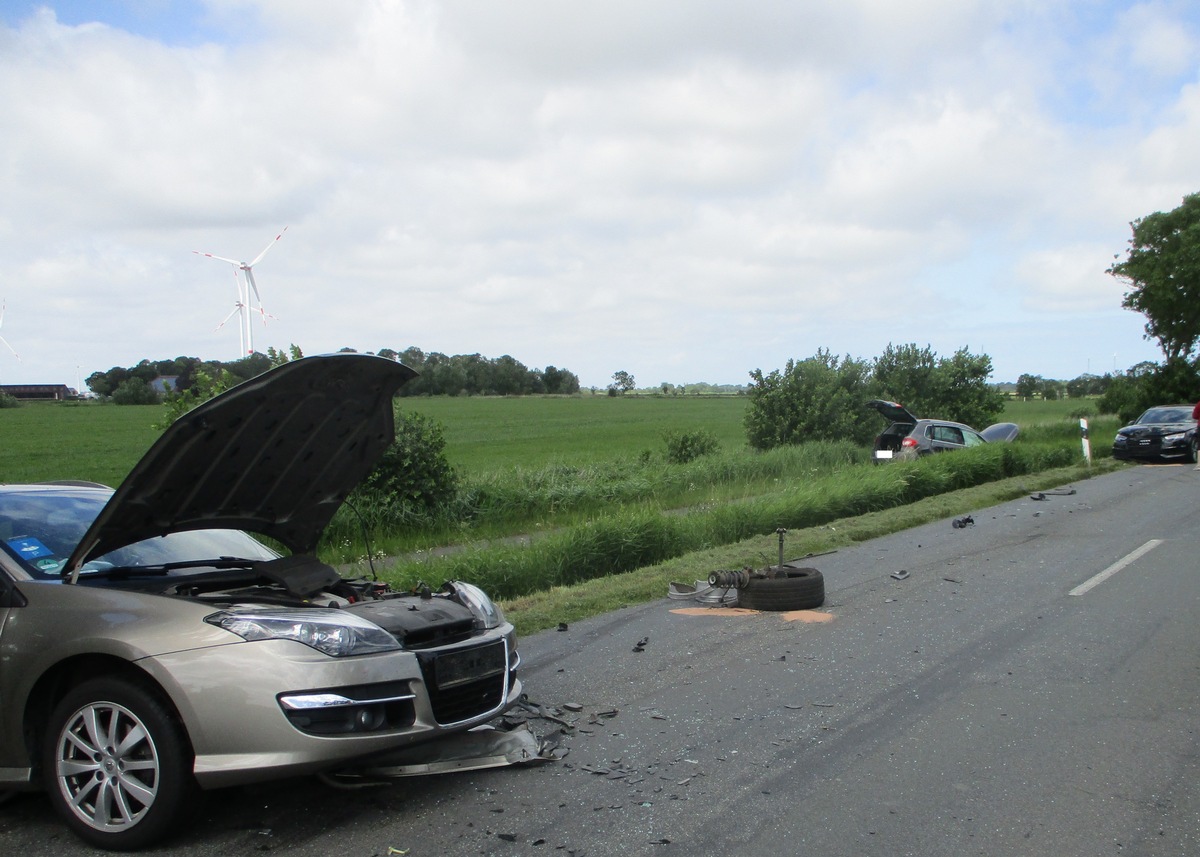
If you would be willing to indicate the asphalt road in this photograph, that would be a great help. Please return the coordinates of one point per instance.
(1030, 688)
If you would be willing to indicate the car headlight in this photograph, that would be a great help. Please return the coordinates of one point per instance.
(487, 613)
(333, 632)
(1178, 437)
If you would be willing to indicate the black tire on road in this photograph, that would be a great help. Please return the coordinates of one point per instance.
(117, 764)
(793, 589)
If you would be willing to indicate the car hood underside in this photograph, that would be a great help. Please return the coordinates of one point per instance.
(276, 455)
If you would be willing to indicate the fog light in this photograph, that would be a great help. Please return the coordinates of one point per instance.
(369, 719)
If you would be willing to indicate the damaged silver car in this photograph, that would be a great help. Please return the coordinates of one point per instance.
(908, 437)
(152, 648)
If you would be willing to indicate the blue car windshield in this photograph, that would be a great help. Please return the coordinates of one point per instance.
(39, 528)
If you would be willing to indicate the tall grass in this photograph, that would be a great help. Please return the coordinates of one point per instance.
(633, 538)
(498, 503)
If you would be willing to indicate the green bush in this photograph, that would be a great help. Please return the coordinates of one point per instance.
(8, 401)
(413, 477)
(820, 398)
(1173, 382)
(686, 446)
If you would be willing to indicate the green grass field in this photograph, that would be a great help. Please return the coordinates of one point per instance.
(497, 433)
(42, 441)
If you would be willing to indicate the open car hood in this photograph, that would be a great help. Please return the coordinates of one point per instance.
(1001, 432)
(276, 455)
(893, 412)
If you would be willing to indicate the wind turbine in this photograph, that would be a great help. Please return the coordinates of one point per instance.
(4, 306)
(242, 307)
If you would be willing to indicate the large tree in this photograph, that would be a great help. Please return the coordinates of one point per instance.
(1163, 272)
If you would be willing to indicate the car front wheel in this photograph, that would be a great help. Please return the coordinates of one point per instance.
(1191, 456)
(117, 763)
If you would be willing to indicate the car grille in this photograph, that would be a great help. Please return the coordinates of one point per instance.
(438, 635)
(465, 683)
(1141, 443)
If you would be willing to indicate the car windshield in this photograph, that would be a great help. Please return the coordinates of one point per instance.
(1165, 415)
(40, 528)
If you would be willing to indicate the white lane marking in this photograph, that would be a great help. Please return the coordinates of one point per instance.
(1128, 559)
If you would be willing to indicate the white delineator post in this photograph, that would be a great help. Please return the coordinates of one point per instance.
(1087, 447)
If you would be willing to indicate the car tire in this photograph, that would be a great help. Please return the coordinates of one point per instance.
(1191, 453)
(791, 589)
(117, 764)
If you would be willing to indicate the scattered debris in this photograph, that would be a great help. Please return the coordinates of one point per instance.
(951, 580)
(526, 710)
(963, 522)
(640, 646)
(572, 706)
(562, 626)
(902, 574)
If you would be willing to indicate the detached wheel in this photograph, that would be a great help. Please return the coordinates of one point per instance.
(793, 589)
(117, 764)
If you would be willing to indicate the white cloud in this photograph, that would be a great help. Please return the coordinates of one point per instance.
(684, 190)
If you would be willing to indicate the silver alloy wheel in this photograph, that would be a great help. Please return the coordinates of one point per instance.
(107, 766)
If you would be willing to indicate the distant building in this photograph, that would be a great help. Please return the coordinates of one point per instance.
(50, 392)
(164, 384)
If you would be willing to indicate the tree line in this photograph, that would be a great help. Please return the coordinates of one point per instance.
(440, 375)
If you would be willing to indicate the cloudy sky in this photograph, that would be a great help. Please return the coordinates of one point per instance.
(685, 190)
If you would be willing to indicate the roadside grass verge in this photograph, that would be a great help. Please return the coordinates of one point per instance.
(548, 608)
(496, 504)
(635, 537)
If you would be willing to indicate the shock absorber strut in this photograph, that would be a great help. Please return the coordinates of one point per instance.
(729, 579)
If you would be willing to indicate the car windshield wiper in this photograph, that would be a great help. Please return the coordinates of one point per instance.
(163, 568)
